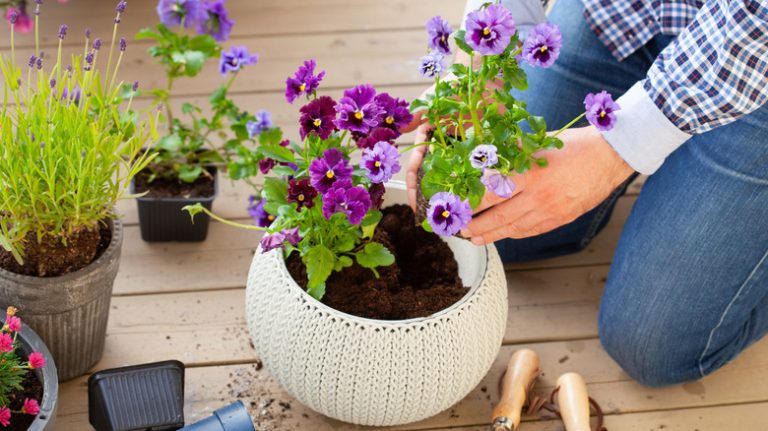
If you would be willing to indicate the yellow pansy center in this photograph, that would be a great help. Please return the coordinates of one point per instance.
(329, 174)
(446, 214)
(270, 217)
(359, 115)
(377, 164)
(300, 198)
(486, 31)
(317, 122)
(389, 120)
(543, 48)
(602, 114)
(302, 87)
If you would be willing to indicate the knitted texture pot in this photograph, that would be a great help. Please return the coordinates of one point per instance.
(69, 312)
(374, 372)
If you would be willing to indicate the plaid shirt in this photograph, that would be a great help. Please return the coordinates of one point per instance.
(713, 73)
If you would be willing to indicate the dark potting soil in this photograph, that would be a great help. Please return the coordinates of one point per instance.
(51, 258)
(203, 187)
(423, 280)
(33, 388)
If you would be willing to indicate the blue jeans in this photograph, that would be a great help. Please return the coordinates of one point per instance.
(688, 287)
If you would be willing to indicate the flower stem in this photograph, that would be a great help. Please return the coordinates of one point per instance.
(568, 126)
(410, 147)
(228, 222)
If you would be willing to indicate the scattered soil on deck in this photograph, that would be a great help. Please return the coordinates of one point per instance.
(51, 257)
(33, 388)
(423, 280)
(203, 187)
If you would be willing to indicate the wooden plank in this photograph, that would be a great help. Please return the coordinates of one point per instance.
(252, 18)
(210, 387)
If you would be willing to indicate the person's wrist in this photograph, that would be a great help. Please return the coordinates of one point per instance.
(617, 168)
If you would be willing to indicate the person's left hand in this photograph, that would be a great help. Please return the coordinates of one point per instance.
(578, 178)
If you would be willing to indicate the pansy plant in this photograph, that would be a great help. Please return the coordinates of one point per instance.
(483, 135)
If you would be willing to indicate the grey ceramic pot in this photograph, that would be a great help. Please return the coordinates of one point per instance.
(69, 312)
(31, 342)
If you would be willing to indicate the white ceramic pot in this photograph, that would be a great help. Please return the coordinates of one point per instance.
(375, 372)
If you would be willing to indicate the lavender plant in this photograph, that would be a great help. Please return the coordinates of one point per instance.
(188, 147)
(482, 134)
(70, 142)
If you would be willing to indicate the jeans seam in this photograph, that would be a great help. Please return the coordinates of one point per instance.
(727, 310)
(725, 170)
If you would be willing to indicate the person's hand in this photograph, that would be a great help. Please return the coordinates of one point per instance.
(412, 171)
(578, 178)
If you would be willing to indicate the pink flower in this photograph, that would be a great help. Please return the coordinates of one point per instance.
(23, 23)
(36, 360)
(14, 324)
(5, 416)
(6, 343)
(30, 407)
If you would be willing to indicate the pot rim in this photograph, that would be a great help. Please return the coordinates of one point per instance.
(114, 246)
(132, 189)
(49, 401)
(400, 185)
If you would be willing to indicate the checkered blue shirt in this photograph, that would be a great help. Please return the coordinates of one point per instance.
(713, 73)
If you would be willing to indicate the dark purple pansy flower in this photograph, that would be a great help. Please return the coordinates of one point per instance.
(354, 202)
(432, 64)
(490, 30)
(439, 31)
(304, 81)
(358, 111)
(379, 134)
(214, 20)
(332, 167)
(258, 213)
(272, 241)
(301, 193)
(382, 161)
(292, 236)
(501, 185)
(236, 58)
(262, 123)
(484, 156)
(448, 214)
(542, 45)
(172, 12)
(377, 195)
(396, 112)
(601, 110)
(318, 116)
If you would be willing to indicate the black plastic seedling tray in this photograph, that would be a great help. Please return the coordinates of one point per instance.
(141, 397)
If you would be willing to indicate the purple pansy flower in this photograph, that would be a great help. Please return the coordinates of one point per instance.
(601, 110)
(354, 202)
(396, 112)
(318, 116)
(432, 64)
(214, 20)
(172, 12)
(236, 58)
(304, 81)
(501, 185)
(301, 193)
(258, 213)
(292, 236)
(542, 46)
(379, 134)
(382, 161)
(484, 156)
(262, 123)
(358, 111)
(332, 167)
(448, 214)
(272, 241)
(439, 30)
(490, 30)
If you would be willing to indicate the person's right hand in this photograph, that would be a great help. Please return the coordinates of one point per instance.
(417, 155)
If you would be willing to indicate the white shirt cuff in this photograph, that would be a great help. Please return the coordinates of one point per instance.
(643, 136)
(527, 13)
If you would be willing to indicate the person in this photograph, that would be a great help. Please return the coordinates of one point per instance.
(688, 287)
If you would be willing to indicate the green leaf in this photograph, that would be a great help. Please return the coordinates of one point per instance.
(418, 105)
(425, 224)
(189, 174)
(188, 108)
(459, 69)
(170, 143)
(218, 96)
(476, 192)
(147, 33)
(275, 191)
(345, 243)
(191, 60)
(373, 255)
(369, 223)
(515, 76)
(194, 210)
(343, 262)
(320, 262)
(537, 124)
(281, 154)
(461, 43)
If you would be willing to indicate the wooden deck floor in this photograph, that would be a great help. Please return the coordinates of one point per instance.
(185, 301)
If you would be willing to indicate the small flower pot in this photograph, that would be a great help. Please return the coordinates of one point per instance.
(375, 372)
(69, 312)
(233, 417)
(31, 342)
(162, 219)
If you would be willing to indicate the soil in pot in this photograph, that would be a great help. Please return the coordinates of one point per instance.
(203, 187)
(33, 388)
(423, 280)
(51, 258)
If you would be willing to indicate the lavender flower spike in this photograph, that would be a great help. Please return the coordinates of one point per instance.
(490, 30)
(63, 31)
(123, 44)
(448, 214)
(135, 86)
(120, 8)
(97, 44)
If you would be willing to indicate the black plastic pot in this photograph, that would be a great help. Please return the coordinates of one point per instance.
(162, 220)
(31, 342)
(233, 417)
(140, 397)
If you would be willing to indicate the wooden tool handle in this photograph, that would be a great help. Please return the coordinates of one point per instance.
(573, 400)
(522, 370)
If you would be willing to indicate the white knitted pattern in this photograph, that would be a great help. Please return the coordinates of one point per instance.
(373, 372)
